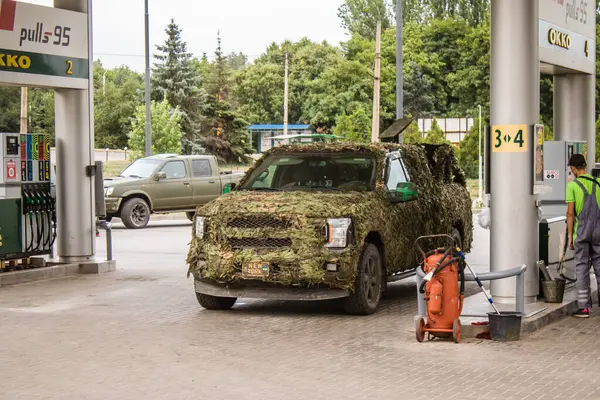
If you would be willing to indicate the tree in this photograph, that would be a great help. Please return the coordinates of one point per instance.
(237, 61)
(116, 100)
(166, 130)
(360, 17)
(41, 111)
(177, 79)
(355, 127)
(10, 100)
(412, 135)
(468, 151)
(224, 133)
(435, 134)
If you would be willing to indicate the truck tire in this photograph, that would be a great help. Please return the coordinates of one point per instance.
(215, 303)
(190, 215)
(368, 286)
(135, 213)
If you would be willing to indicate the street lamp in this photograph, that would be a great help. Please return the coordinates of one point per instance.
(148, 147)
(479, 163)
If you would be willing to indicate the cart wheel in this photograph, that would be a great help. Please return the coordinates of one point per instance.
(456, 330)
(419, 329)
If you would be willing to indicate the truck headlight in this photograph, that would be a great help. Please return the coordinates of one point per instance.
(108, 191)
(200, 227)
(338, 232)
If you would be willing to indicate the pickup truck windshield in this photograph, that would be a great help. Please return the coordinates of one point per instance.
(337, 172)
(141, 168)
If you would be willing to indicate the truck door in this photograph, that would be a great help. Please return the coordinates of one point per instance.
(406, 217)
(206, 183)
(174, 190)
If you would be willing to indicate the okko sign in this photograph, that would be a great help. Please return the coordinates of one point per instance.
(43, 46)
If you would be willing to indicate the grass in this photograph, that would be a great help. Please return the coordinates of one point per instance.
(114, 167)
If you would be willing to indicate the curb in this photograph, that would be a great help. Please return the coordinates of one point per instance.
(55, 271)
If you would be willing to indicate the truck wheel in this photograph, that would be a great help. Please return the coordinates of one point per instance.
(135, 213)
(190, 215)
(215, 303)
(368, 285)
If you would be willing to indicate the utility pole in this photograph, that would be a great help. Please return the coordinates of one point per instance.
(148, 147)
(285, 98)
(376, 86)
(399, 65)
(24, 110)
(479, 163)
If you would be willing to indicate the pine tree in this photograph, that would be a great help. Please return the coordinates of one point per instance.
(225, 132)
(176, 79)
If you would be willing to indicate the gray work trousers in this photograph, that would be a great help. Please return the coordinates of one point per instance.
(584, 251)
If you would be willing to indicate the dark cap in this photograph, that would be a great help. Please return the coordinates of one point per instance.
(577, 161)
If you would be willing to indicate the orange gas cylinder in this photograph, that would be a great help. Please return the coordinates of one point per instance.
(444, 298)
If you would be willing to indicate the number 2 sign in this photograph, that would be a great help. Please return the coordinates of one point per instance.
(509, 138)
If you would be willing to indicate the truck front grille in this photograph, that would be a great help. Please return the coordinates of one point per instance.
(259, 243)
(258, 222)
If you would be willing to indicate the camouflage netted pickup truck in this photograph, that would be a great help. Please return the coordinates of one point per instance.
(323, 221)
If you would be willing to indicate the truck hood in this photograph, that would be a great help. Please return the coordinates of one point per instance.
(313, 204)
(117, 181)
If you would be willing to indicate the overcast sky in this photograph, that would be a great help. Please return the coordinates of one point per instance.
(247, 26)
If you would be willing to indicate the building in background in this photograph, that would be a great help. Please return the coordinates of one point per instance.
(455, 129)
(261, 135)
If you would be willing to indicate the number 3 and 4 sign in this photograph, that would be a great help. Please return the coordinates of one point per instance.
(509, 138)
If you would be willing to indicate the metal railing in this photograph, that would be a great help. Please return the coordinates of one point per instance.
(107, 226)
(518, 272)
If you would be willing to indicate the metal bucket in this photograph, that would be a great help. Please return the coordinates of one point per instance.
(553, 290)
(506, 326)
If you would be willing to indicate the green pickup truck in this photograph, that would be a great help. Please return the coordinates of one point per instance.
(164, 183)
(327, 220)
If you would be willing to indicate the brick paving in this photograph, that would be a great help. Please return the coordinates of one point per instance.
(138, 333)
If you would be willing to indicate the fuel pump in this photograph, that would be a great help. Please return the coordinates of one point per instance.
(27, 204)
(553, 248)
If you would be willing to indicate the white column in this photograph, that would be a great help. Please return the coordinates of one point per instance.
(74, 152)
(514, 100)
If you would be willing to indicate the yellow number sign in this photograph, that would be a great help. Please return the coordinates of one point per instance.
(509, 138)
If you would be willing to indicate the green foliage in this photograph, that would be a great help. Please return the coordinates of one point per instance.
(468, 151)
(598, 140)
(118, 93)
(355, 127)
(177, 79)
(10, 100)
(435, 135)
(412, 135)
(360, 17)
(166, 130)
(41, 111)
(225, 132)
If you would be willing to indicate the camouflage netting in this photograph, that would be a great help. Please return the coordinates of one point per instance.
(297, 219)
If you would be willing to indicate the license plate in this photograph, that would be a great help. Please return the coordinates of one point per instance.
(255, 269)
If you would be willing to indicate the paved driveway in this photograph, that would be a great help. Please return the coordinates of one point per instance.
(138, 333)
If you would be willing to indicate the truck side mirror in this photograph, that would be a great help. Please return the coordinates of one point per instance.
(160, 175)
(405, 191)
(228, 187)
